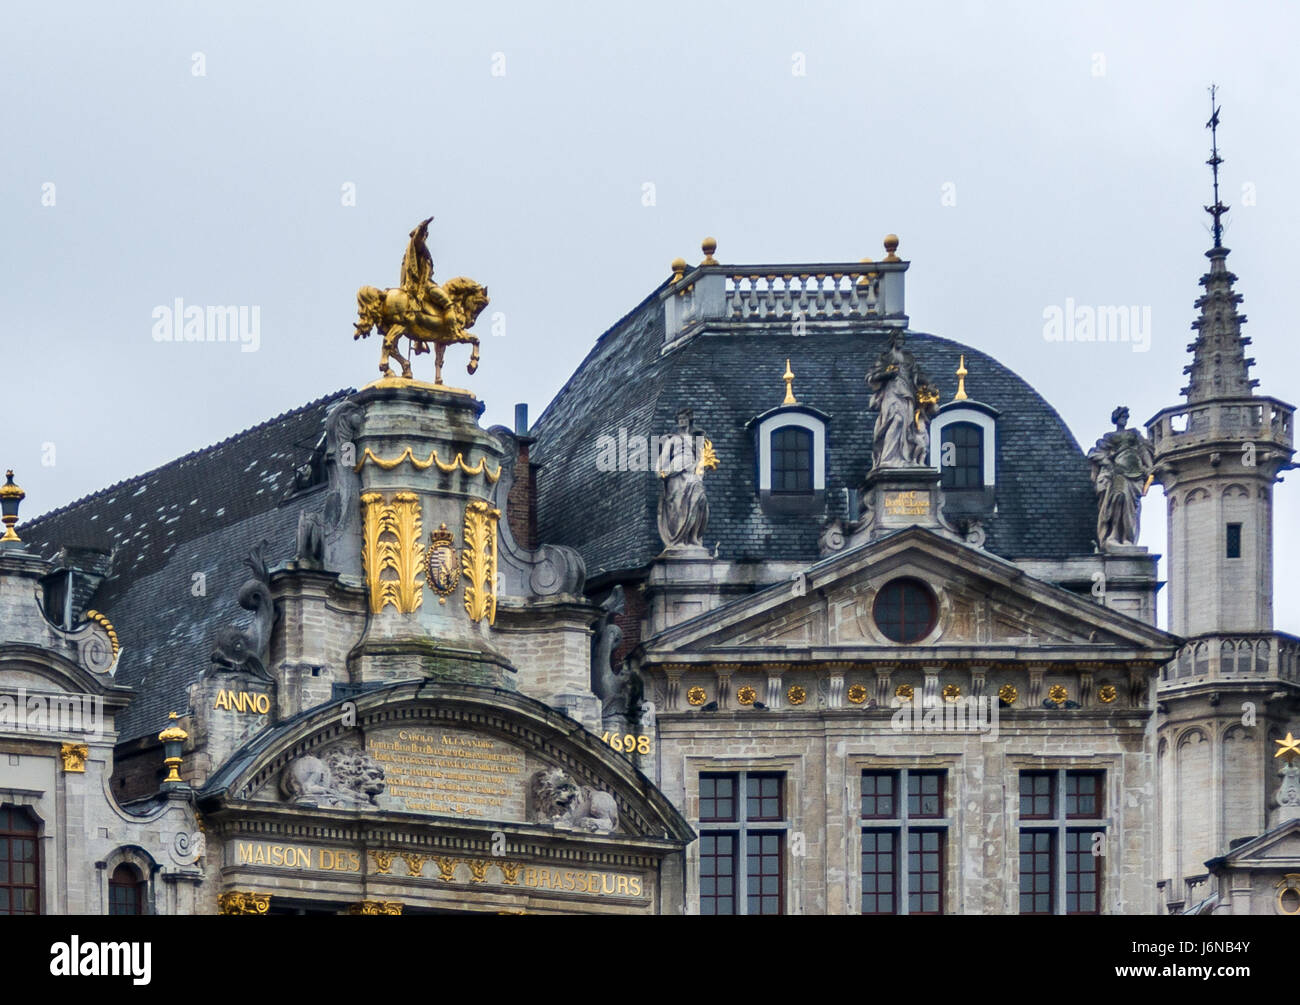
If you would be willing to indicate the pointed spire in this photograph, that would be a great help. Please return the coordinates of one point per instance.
(788, 377)
(1219, 367)
(961, 380)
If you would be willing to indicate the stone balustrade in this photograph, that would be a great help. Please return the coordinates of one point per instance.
(1244, 419)
(1235, 657)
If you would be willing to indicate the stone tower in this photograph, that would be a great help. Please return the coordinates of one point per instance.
(1233, 686)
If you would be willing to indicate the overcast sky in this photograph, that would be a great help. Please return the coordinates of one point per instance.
(1024, 153)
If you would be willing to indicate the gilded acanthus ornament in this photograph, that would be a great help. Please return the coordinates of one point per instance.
(421, 310)
(391, 542)
(479, 561)
(1122, 463)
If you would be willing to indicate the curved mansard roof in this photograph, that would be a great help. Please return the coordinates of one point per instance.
(1046, 506)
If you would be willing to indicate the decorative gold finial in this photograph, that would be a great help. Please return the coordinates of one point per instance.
(427, 314)
(10, 496)
(679, 269)
(789, 385)
(173, 739)
(709, 245)
(961, 380)
(1289, 748)
(891, 245)
(866, 277)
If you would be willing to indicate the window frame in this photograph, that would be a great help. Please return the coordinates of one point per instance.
(808, 448)
(975, 469)
(137, 889)
(1064, 825)
(901, 827)
(902, 583)
(34, 835)
(740, 828)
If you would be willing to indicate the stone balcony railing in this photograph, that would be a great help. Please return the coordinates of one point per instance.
(1234, 420)
(1234, 658)
(801, 296)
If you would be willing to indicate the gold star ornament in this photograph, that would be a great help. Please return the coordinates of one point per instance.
(1289, 747)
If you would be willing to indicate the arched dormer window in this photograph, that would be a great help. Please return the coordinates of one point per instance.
(790, 455)
(964, 447)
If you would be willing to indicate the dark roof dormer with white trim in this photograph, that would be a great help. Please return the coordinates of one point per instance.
(790, 454)
(964, 447)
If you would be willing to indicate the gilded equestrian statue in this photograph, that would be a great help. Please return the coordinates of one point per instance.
(421, 310)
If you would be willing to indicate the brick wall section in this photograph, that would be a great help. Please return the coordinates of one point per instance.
(521, 504)
(630, 621)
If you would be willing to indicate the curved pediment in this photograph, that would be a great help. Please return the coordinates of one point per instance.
(450, 753)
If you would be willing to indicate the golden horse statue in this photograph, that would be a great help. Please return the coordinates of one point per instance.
(421, 310)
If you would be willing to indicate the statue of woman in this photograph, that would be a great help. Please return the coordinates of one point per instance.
(902, 432)
(683, 506)
(1122, 462)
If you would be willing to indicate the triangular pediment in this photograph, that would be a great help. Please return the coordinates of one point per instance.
(982, 602)
(1274, 849)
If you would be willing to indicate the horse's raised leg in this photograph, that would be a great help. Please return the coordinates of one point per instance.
(473, 356)
(385, 345)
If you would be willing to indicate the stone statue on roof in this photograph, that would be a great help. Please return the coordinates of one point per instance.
(904, 402)
(683, 458)
(1122, 462)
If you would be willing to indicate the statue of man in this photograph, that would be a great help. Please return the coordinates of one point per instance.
(417, 283)
(904, 404)
(1122, 462)
(683, 505)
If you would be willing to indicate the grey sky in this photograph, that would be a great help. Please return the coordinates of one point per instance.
(1072, 137)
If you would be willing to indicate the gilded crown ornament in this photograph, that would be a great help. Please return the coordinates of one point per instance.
(424, 312)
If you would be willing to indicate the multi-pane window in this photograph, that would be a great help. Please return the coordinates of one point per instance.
(962, 444)
(1234, 540)
(792, 460)
(1062, 833)
(20, 885)
(742, 834)
(903, 835)
(125, 891)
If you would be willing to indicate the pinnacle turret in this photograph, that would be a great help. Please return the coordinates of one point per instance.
(1219, 367)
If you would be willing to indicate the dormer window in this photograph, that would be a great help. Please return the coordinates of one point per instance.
(790, 454)
(962, 443)
(792, 460)
(964, 447)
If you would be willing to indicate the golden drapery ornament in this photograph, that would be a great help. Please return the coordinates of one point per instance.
(479, 561)
(74, 756)
(391, 541)
(424, 312)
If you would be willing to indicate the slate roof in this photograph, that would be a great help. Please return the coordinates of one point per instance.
(1046, 507)
(201, 513)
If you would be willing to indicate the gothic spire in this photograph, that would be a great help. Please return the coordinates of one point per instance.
(1219, 367)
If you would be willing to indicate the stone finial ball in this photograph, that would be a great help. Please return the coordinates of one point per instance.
(709, 245)
(891, 243)
(678, 265)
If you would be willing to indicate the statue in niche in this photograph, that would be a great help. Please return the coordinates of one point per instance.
(621, 693)
(904, 402)
(684, 456)
(246, 650)
(1122, 463)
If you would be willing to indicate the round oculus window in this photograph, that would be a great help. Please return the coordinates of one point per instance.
(905, 611)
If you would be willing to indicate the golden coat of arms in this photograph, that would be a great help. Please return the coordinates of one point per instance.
(442, 564)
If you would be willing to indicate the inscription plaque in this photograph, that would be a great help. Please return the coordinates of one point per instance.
(450, 772)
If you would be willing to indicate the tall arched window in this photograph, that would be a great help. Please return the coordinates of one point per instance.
(963, 446)
(126, 890)
(20, 875)
(792, 460)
